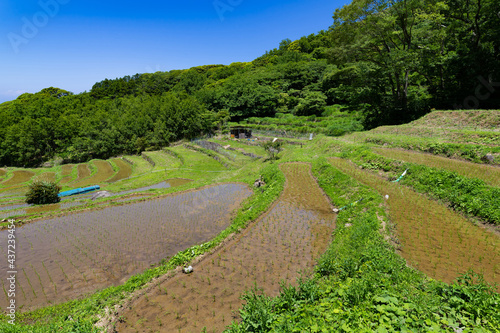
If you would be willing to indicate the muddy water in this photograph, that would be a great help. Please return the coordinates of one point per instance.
(284, 241)
(65, 257)
(434, 239)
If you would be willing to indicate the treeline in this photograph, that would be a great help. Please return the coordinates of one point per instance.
(78, 128)
(393, 61)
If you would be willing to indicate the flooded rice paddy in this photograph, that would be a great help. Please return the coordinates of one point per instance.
(284, 241)
(18, 177)
(125, 170)
(434, 239)
(488, 173)
(66, 257)
(38, 209)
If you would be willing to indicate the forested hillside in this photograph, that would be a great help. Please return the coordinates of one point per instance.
(393, 61)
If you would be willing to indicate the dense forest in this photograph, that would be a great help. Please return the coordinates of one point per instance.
(392, 61)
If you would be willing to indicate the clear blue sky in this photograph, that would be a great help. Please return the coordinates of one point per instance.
(71, 44)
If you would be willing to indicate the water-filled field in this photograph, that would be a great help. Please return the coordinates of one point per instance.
(125, 170)
(488, 173)
(287, 239)
(65, 257)
(18, 177)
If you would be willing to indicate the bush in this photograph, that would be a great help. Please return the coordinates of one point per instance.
(273, 148)
(41, 193)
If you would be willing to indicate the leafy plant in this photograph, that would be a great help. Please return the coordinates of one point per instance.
(273, 148)
(42, 192)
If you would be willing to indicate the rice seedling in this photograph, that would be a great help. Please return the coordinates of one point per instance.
(114, 243)
(124, 170)
(285, 224)
(18, 177)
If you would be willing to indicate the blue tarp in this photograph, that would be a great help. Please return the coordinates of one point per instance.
(79, 191)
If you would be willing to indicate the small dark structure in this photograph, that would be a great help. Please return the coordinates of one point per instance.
(241, 133)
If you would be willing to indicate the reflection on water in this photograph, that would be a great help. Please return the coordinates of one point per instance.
(65, 257)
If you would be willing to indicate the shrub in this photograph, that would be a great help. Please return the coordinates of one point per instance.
(41, 193)
(273, 148)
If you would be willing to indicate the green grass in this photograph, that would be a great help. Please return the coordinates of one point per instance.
(470, 152)
(489, 174)
(471, 196)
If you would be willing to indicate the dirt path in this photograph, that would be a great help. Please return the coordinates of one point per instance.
(286, 240)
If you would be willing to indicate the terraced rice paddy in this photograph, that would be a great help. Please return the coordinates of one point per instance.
(489, 174)
(13, 191)
(83, 171)
(166, 184)
(18, 177)
(162, 160)
(66, 173)
(287, 239)
(12, 206)
(47, 177)
(2, 173)
(104, 172)
(434, 239)
(65, 257)
(125, 170)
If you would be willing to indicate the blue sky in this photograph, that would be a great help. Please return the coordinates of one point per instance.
(71, 44)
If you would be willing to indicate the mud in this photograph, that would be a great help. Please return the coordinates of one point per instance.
(125, 170)
(104, 171)
(47, 177)
(66, 173)
(286, 240)
(83, 171)
(66, 257)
